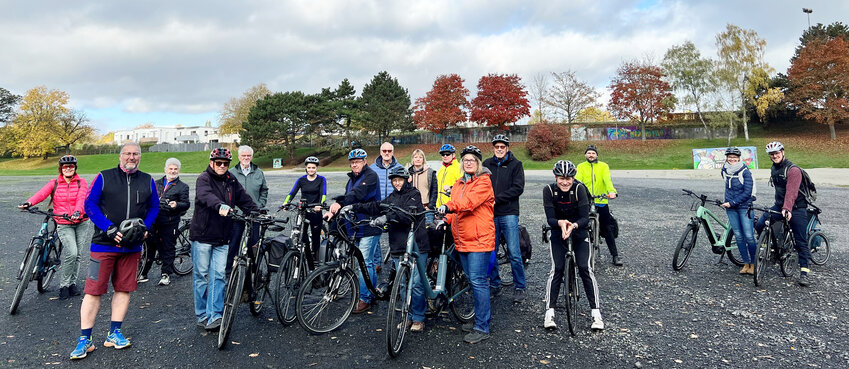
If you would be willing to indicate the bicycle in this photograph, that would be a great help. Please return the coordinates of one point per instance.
(775, 245)
(571, 293)
(251, 266)
(182, 253)
(722, 244)
(42, 257)
(820, 251)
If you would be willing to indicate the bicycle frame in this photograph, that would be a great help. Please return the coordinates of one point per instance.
(440, 289)
(703, 217)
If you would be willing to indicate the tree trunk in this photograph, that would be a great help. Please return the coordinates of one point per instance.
(701, 118)
(643, 128)
(730, 129)
(745, 124)
(831, 130)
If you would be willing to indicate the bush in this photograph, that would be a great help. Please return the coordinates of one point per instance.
(547, 140)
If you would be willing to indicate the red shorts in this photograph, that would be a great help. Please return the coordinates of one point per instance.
(121, 266)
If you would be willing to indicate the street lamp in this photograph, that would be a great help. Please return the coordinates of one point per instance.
(808, 11)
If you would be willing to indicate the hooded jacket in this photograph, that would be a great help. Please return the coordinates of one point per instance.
(398, 223)
(254, 183)
(69, 197)
(471, 218)
(425, 181)
(446, 176)
(383, 175)
(738, 194)
(212, 191)
(362, 188)
(508, 183)
(177, 191)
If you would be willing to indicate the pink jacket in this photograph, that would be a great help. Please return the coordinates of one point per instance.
(69, 197)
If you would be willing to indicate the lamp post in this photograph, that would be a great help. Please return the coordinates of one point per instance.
(808, 11)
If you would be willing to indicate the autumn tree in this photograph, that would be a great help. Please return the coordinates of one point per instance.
(444, 106)
(820, 80)
(594, 114)
(72, 128)
(35, 125)
(8, 101)
(386, 106)
(501, 100)
(691, 74)
(638, 90)
(568, 95)
(235, 111)
(822, 33)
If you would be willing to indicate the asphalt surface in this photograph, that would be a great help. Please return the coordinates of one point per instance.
(703, 316)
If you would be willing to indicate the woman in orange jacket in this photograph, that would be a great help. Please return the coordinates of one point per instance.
(471, 217)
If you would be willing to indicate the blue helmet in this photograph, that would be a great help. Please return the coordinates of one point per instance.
(447, 148)
(357, 154)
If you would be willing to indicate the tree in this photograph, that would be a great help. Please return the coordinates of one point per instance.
(8, 101)
(500, 101)
(34, 129)
(108, 138)
(344, 108)
(235, 111)
(594, 114)
(73, 127)
(691, 74)
(277, 120)
(820, 80)
(569, 95)
(638, 90)
(539, 92)
(444, 106)
(386, 106)
(821, 33)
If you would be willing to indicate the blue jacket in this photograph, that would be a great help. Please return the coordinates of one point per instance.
(361, 189)
(383, 176)
(738, 193)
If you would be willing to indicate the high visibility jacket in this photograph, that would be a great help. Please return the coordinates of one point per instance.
(596, 176)
(446, 176)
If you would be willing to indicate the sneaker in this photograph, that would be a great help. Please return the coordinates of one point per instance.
(804, 280)
(202, 323)
(361, 307)
(549, 320)
(518, 296)
(84, 346)
(73, 291)
(598, 325)
(165, 280)
(116, 339)
(143, 278)
(617, 261)
(213, 325)
(475, 337)
(64, 293)
(468, 327)
(417, 327)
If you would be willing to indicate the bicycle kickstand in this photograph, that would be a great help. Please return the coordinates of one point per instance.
(721, 259)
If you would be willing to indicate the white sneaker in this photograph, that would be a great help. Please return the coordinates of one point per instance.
(549, 320)
(598, 325)
(165, 280)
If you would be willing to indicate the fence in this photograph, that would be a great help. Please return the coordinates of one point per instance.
(190, 147)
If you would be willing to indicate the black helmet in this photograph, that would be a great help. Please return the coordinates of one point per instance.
(565, 168)
(67, 159)
(132, 231)
(501, 138)
(221, 154)
(311, 160)
(446, 148)
(733, 150)
(398, 171)
(591, 148)
(472, 149)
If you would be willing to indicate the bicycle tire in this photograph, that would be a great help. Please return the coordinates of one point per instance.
(789, 261)
(289, 277)
(732, 250)
(44, 278)
(183, 254)
(463, 302)
(398, 311)
(685, 244)
(505, 268)
(26, 272)
(260, 283)
(333, 285)
(762, 257)
(232, 298)
(820, 250)
(596, 241)
(572, 296)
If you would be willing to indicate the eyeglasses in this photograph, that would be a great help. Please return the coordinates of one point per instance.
(446, 154)
(131, 154)
(469, 161)
(500, 147)
(221, 163)
(69, 166)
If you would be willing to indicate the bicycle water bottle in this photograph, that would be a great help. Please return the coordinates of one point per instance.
(440, 273)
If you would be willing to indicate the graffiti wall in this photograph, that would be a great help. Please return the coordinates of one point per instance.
(630, 133)
(713, 158)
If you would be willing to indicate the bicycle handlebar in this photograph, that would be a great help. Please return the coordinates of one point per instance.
(702, 197)
(49, 213)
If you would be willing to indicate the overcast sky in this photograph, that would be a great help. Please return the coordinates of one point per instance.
(176, 62)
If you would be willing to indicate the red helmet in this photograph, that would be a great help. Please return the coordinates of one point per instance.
(220, 154)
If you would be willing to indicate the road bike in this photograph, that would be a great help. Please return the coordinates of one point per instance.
(722, 243)
(42, 257)
(776, 245)
(571, 292)
(182, 252)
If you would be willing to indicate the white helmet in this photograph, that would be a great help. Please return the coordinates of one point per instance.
(774, 146)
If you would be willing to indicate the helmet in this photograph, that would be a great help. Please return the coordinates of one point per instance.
(447, 148)
(220, 154)
(398, 171)
(774, 146)
(565, 168)
(472, 149)
(501, 138)
(132, 231)
(733, 150)
(357, 154)
(311, 160)
(591, 148)
(67, 159)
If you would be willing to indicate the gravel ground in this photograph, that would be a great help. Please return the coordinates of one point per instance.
(703, 316)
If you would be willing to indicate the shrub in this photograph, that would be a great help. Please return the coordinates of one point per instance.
(547, 140)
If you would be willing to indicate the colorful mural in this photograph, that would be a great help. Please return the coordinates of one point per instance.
(629, 133)
(713, 158)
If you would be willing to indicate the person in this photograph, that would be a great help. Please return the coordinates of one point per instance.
(447, 174)
(739, 194)
(567, 212)
(382, 165)
(508, 183)
(470, 214)
(423, 178)
(253, 181)
(217, 192)
(786, 177)
(362, 187)
(67, 196)
(173, 204)
(118, 196)
(313, 188)
(595, 175)
(407, 197)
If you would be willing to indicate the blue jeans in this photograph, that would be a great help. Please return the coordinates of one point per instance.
(377, 256)
(799, 226)
(744, 232)
(418, 305)
(475, 264)
(509, 226)
(208, 280)
(369, 246)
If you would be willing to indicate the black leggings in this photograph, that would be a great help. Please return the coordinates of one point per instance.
(314, 230)
(163, 239)
(583, 256)
(605, 226)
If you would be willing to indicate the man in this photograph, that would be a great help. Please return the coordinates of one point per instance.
(508, 183)
(253, 181)
(595, 175)
(447, 174)
(217, 192)
(116, 195)
(362, 187)
(382, 165)
(786, 177)
(173, 204)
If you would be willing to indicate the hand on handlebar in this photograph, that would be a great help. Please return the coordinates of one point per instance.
(224, 210)
(443, 209)
(24, 205)
(786, 214)
(612, 195)
(378, 222)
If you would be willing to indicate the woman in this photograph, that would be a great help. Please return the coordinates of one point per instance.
(567, 210)
(423, 179)
(739, 193)
(473, 227)
(313, 188)
(68, 192)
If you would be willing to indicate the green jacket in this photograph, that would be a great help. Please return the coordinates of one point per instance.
(254, 183)
(596, 176)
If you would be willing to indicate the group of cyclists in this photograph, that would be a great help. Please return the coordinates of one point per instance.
(475, 202)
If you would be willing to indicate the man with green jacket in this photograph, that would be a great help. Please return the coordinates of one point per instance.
(253, 181)
(595, 175)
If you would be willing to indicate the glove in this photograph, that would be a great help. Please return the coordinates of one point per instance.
(112, 231)
(442, 209)
(346, 209)
(378, 222)
(441, 225)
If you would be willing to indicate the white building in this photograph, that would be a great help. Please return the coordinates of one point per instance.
(174, 135)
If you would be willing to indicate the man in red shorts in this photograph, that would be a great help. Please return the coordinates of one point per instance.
(117, 194)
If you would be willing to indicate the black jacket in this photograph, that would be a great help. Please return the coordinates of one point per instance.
(508, 183)
(399, 224)
(177, 191)
(212, 190)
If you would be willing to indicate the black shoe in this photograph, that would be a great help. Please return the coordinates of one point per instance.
(617, 261)
(63, 293)
(475, 337)
(213, 325)
(494, 292)
(468, 327)
(518, 296)
(804, 280)
(73, 291)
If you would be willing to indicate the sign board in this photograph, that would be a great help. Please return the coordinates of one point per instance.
(278, 163)
(713, 158)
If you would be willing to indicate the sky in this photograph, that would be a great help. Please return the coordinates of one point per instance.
(177, 62)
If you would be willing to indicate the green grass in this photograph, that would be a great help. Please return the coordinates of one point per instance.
(151, 162)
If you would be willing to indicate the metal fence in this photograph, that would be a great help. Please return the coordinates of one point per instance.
(190, 147)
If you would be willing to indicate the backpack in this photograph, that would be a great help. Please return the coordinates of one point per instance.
(806, 187)
(580, 185)
(739, 176)
(525, 244)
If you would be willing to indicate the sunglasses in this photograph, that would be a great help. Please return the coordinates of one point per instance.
(446, 154)
(69, 166)
(221, 163)
(385, 151)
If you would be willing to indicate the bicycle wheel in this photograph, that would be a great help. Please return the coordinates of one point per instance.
(231, 302)
(183, 253)
(505, 269)
(26, 273)
(462, 299)
(261, 280)
(685, 246)
(290, 275)
(572, 296)
(732, 251)
(398, 311)
(820, 251)
(789, 261)
(762, 257)
(142, 260)
(326, 298)
(596, 243)
(51, 264)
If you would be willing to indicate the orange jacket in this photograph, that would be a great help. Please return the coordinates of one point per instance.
(472, 221)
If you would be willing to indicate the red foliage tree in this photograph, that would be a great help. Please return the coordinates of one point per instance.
(501, 100)
(547, 140)
(820, 82)
(444, 106)
(639, 90)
